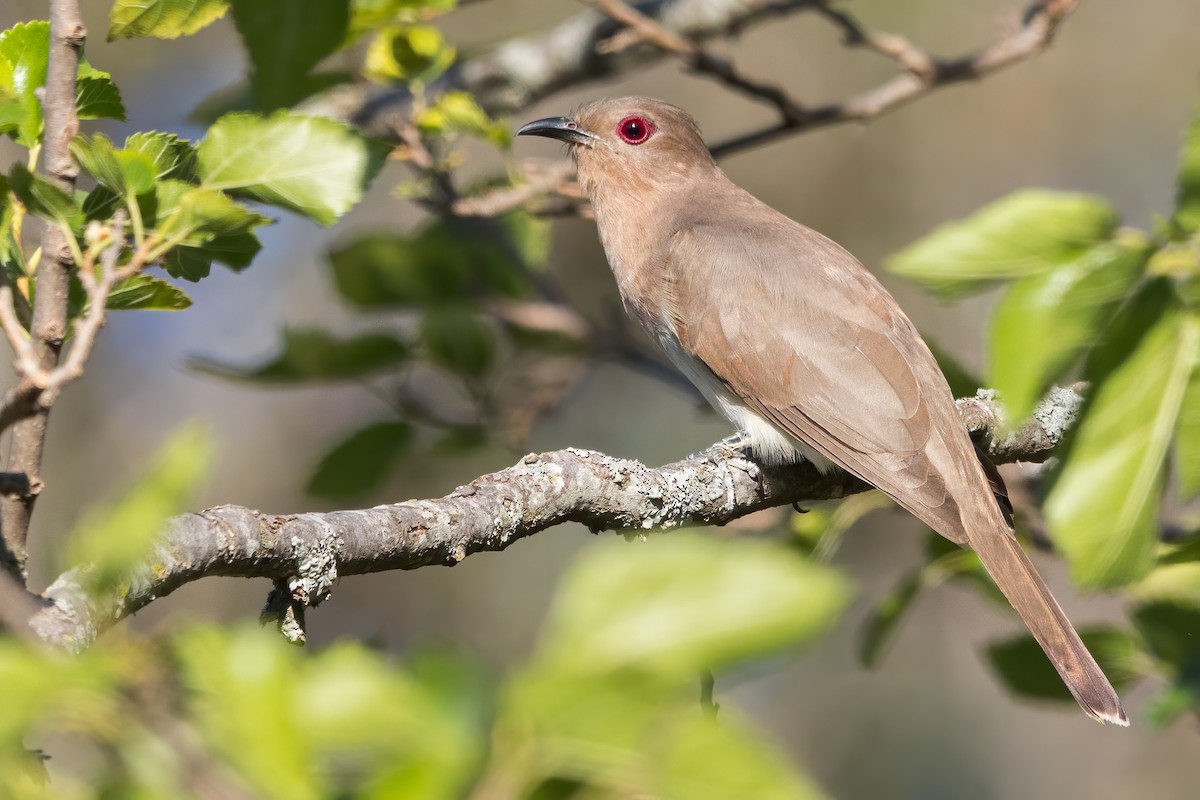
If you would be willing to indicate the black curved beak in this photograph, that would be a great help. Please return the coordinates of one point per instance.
(564, 129)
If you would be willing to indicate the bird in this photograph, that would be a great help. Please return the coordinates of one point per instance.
(799, 345)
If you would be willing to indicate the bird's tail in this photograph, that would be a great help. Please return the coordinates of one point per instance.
(1020, 582)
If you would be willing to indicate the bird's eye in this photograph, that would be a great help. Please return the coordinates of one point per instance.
(635, 130)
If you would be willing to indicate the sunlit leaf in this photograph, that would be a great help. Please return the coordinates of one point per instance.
(1046, 321)
(361, 462)
(311, 165)
(1025, 233)
(115, 538)
(707, 758)
(172, 157)
(122, 171)
(408, 53)
(25, 47)
(1187, 199)
(679, 604)
(162, 19)
(1187, 436)
(1024, 669)
(1103, 505)
(1177, 583)
(459, 113)
(285, 40)
(313, 355)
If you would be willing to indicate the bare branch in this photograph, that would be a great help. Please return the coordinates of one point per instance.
(1041, 22)
(306, 553)
(49, 326)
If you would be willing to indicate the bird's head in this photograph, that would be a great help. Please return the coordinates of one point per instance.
(629, 143)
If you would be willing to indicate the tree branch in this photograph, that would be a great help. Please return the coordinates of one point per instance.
(305, 554)
(49, 326)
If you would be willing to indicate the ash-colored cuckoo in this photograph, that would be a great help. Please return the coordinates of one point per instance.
(797, 343)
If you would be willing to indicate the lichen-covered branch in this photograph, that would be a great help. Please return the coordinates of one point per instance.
(305, 554)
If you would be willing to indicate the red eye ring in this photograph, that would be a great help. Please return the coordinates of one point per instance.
(635, 129)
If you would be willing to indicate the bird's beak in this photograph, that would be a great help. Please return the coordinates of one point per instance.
(564, 129)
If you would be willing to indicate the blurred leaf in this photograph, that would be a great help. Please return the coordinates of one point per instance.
(1025, 233)
(362, 462)
(446, 260)
(408, 53)
(962, 382)
(311, 165)
(1177, 583)
(118, 537)
(1024, 669)
(44, 199)
(1102, 509)
(707, 758)
(245, 701)
(1169, 630)
(458, 441)
(819, 530)
(679, 604)
(1187, 436)
(459, 340)
(148, 293)
(1046, 321)
(96, 96)
(122, 171)
(285, 40)
(885, 618)
(459, 113)
(370, 15)
(162, 19)
(313, 355)
(25, 47)
(1187, 199)
(1177, 700)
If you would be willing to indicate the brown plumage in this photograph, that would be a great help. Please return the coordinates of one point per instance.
(799, 345)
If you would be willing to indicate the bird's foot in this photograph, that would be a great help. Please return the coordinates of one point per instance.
(734, 446)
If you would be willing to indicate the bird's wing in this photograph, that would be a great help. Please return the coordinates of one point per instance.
(804, 334)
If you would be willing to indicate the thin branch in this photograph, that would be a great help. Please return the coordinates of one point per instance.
(49, 325)
(699, 59)
(307, 553)
(1041, 23)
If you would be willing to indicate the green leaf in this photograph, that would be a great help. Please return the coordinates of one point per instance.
(162, 19)
(122, 171)
(1046, 321)
(361, 462)
(1025, 233)
(1187, 198)
(311, 165)
(459, 340)
(147, 293)
(885, 618)
(459, 113)
(285, 40)
(312, 355)
(115, 539)
(707, 758)
(679, 604)
(25, 47)
(1175, 582)
(1169, 630)
(409, 53)
(1187, 435)
(204, 214)
(173, 158)
(1103, 505)
(1024, 669)
(96, 96)
(44, 199)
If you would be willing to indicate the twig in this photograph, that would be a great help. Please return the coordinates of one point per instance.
(310, 551)
(698, 58)
(49, 325)
(1041, 22)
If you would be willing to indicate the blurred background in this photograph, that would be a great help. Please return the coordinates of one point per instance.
(1102, 111)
